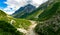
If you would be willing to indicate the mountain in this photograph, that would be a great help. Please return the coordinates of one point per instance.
(19, 10)
(24, 11)
(30, 12)
(34, 15)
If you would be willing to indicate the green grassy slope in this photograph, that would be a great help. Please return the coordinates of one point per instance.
(5, 27)
(17, 23)
(21, 23)
(34, 16)
(51, 26)
(50, 11)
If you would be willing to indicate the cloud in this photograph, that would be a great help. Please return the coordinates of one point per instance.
(38, 2)
(13, 5)
(8, 10)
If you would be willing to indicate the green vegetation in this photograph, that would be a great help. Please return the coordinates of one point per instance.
(34, 16)
(8, 29)
(18, 23)
(48, 28)
(2, 15)
(49, 12)
(50, 18)
(22, 23)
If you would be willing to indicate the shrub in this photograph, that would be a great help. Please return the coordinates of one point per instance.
(8, 28)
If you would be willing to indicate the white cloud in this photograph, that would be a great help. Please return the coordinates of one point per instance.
(13, 5)
(38, 2)
(8, 10)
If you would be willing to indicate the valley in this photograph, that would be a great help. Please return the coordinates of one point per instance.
(29, 20)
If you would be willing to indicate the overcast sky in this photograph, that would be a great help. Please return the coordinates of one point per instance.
(10, 6)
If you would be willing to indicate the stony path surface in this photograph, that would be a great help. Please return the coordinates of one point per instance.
(31, 29)
(22, 30)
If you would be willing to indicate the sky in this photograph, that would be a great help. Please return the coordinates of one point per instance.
(10, 6)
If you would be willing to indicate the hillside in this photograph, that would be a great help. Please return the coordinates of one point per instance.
(50, 11)
(8, 29)
(17, 23)
(50, 18)
(5, 27)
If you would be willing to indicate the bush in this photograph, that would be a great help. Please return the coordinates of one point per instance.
(8, 29)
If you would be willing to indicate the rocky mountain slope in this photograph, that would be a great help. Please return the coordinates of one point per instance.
(49, 21)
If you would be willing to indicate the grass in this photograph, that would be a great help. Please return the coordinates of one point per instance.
(22, 23)
(18, 23)
(49, 12)
(35, 15)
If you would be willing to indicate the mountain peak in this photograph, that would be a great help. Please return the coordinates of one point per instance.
(24, 10)
(29, 5)
(29, 8)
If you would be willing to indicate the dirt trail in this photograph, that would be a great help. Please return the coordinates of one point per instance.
(31, 28)
(22, 30)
